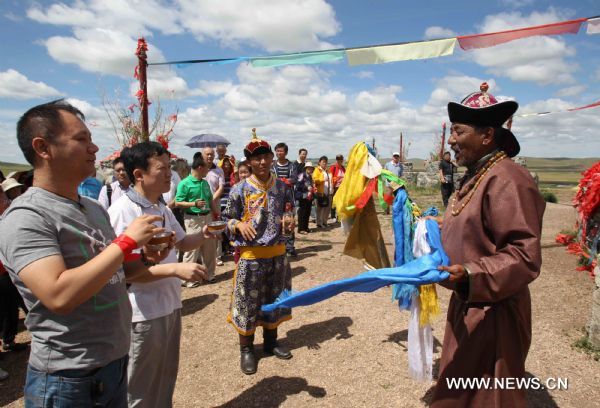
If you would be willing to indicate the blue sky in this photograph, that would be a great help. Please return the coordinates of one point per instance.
(83, 51)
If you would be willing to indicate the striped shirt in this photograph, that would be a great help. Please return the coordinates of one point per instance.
(287, 171)
(225, 195)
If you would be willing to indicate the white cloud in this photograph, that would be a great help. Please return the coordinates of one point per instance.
(379, 100)
(104, 35)
(364, 74)
(456, 87)
(543, 60)
(234, 22)
(170, 86)
(299, 105)
(13, 17)
(517, 3)
(571, 90)
(320, 117)
(10, 151)
(560, 134)
(215, 87)
(101, 50)
(14, 85)
(328, 120)
(438, 32)
(96, 118)
(118, 15)
(91, 112)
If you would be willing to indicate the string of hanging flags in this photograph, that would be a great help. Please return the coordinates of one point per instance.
(405, 51)
(591, 105)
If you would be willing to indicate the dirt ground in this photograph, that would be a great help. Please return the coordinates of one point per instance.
(351, 350)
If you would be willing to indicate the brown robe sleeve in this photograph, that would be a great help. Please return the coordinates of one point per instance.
(512, 215)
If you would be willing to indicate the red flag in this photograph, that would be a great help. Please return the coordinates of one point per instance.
(591, 105)
(468, 42)
(367, 194)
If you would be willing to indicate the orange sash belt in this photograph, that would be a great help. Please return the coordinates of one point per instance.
(261, 252)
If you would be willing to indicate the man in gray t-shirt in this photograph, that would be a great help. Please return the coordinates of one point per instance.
(42, 224)
(61, 253)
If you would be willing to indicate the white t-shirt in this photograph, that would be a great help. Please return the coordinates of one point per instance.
(153, 299)
(215, 178)
(117, 192)
(170, 195)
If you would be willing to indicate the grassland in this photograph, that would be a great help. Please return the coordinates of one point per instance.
(552, 172)
(8, 167)
(559, 171)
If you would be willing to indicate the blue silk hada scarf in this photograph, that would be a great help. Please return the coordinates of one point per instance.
(403, 222)
(421, 271)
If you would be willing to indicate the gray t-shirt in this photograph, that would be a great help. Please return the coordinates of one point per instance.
(39, 224)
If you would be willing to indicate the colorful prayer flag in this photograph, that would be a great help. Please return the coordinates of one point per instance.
(400, 52)
(316, 57)
(591, 105)
(593, 26)
(468, 42)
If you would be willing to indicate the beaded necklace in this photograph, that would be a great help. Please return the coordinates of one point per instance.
(498, 157)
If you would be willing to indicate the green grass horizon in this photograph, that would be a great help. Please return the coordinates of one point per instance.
(550, 170)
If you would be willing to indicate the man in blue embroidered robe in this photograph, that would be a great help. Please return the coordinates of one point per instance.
(254, 215)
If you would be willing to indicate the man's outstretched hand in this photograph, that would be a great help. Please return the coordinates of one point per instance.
(458, 273)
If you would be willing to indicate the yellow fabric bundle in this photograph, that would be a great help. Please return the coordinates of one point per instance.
(415, 210)
(354, 182)
(365, 240)
(429, 304)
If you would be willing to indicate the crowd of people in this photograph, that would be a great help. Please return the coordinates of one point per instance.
(85, 256)
(93, 236)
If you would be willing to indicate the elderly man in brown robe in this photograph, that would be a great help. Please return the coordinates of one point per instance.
(491, 233)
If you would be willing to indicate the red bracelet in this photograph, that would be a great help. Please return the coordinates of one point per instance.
(127, 244)
(134, 256)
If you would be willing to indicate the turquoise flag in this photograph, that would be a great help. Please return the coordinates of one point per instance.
(316, 57)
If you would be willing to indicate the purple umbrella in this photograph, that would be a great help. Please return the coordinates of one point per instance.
(207, 140)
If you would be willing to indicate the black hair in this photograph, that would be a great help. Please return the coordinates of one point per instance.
(339, 157)
(136, 156)
(302, 150)
(198, 160)
(42, 121)
(496, 139)
(281, 145)
(446, 153)
(227, 159)
(26, 179)
(2, 178)
(244, 163)
(117, 161)
(323, 158)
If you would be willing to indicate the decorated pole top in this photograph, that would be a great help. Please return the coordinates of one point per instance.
(142, 93)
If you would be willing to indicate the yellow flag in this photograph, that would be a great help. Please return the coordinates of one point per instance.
(401, 52)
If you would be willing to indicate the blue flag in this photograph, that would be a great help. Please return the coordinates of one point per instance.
(419, 271)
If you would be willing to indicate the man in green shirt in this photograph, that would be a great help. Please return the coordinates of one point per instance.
(195, 199)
